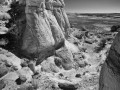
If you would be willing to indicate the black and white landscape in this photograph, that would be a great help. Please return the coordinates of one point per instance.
(90, 43)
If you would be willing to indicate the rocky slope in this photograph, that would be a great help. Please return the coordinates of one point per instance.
(109, 75)
(52, 74)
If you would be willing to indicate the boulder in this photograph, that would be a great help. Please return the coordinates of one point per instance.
(72, 47)
(49, 65)
(66, 86)
(25, 73)
(66, 56)
(78, 34)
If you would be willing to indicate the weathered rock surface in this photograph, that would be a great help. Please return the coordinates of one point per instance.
(110, 71)
(56, 30)
(60, 14)
(49, 65)
(67, 57)
(42, 42)
(71, 46)
(48, 30)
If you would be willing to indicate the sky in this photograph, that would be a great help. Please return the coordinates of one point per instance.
(92, 6)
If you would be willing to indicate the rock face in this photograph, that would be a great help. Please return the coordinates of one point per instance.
(58, 11)
(56, 30)
(60, 14)
(45, 30)
(110, 73)
(39, 40)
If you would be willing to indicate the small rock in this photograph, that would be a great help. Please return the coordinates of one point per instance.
(61, 75)
(65, 86)
(24, 63)
(78, 76)
(82, 64)
(58, 61)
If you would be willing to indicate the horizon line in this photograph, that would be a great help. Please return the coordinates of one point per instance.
(96, 12)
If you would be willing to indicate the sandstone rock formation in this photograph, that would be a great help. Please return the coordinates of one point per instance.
(60, 14)
(43, 33)
(56, 30)
(37, 37)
